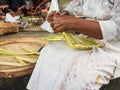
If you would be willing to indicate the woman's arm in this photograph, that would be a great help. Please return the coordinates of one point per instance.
(22, 7)
(4, 6)
(88, 27)
(107, 29)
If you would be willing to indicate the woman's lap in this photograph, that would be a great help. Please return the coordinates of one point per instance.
(62, 68)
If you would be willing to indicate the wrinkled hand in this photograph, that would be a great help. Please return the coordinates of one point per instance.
(62, 23)
(51, 15)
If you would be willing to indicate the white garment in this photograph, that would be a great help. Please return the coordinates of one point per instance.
(10, 18)
(106, 11)
(53, 7)
(60, 67)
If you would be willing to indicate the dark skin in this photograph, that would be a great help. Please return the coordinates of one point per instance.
(19, 10)
(39, 7)
(63, 21)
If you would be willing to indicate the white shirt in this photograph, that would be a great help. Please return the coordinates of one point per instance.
(107, 12)
(61, 68)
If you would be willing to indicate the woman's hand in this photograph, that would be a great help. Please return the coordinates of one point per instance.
(51, 15)
(19, 10)
(90, 28)
(12, 13)
(62, 23)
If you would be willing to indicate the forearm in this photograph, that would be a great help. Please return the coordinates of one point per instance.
(88, 27)
(45, 1)
(91, 28)
(22, 7)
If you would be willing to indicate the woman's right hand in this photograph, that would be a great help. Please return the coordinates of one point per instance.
(51, 15)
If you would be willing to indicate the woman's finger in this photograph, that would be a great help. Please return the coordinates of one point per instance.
(51, 24)
(58, 29)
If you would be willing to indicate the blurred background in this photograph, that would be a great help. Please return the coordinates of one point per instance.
(21, 82)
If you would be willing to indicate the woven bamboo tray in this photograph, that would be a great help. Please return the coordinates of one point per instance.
(6, 28)
(16, 45)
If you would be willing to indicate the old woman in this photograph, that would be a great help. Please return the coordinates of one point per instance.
(60, 67)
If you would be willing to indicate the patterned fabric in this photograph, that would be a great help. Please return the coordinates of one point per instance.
(60, 67)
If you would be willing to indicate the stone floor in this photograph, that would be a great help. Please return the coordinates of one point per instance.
(14, 83)
(20, 83)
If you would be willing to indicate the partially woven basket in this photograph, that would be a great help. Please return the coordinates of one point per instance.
(16, 45)
(31, 24)
(6, 28)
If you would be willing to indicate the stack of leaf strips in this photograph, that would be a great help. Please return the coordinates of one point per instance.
(21, 60)
(75, 41)
(81, 41)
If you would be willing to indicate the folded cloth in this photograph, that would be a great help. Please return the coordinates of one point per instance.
(53, 7)
(6, 28)
(10, 18)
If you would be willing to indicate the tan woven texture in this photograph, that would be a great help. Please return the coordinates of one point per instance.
(16, 45)
(6, 28)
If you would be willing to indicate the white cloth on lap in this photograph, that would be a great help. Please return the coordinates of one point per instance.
(61, 68)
